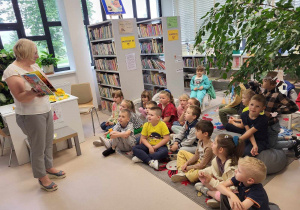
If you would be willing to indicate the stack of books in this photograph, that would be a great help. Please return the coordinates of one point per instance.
(104, 32)
(146, 30)
(106, 105)
(106, 64)
(151, 47)
(104, 49)
(109, 79)
(153, 64)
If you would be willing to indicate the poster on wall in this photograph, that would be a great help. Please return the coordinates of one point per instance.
(130, 62)
(125, 27)
(128, 42)
(113, 7)
(173, 35)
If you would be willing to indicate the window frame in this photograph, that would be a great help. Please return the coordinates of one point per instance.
(19, 28)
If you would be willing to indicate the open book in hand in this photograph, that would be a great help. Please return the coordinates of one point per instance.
(39, 83)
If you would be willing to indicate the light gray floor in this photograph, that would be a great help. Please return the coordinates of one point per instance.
(95, 182)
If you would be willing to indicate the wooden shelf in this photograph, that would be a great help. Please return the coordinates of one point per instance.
(109, 85)
(151, 37)
(109, 99)
(104, 56)
(107, 71)
(150, 54)
(162, 86)
(159, 70)
(102, 40)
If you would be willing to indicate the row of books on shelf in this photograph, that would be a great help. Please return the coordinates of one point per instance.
(155, 79)
(193, 62)
(106, 64)
(106, 91)
(103, 32)
(153, 64)
(106, 105)
(154, 46)
(104, 49)
(109, 79)
(186, 84)
(145, 30)
(154, 90)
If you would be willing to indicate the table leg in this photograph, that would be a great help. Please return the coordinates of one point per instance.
(77, 145)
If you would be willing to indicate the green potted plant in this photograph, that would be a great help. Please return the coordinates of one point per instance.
(6, 58)
(47, 62)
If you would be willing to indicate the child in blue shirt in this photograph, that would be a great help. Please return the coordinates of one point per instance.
(199, 84)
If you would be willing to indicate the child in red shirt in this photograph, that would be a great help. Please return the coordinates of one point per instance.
(169, 111)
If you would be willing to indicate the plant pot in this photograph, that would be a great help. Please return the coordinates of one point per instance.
(48, 69)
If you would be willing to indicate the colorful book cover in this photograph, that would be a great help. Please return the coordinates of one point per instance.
(37, 84)
(44, 79)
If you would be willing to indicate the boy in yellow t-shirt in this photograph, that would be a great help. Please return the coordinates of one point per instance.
(155, 136)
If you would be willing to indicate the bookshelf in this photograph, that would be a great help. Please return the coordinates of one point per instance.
(158, 54)
(110, 60)
(192, 61)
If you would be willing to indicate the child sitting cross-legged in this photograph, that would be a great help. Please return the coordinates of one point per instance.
(155, 136)
(189, 164)
(122, 135)
(186, 139)
(227, 149)
(251, 193)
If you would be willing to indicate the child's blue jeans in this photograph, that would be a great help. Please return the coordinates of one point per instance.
(106, 127)
(142, 152)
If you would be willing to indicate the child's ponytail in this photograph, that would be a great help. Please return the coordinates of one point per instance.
(169, 94)
(233, 145)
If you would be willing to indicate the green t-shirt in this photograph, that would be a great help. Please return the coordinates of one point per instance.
(156, 133)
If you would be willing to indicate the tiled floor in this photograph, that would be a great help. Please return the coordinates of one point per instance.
(95, 182)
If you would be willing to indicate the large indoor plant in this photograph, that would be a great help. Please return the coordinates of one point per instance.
(47, 62)
(269, 30)
(6, 58)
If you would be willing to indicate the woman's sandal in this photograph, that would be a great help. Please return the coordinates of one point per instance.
(50, 188)
(58, 175)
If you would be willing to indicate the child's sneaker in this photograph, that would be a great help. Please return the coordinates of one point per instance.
(204, 190)
(214, 204)
(198, 186)
(98, 143)
(135, 159)
(179, 177)
(106, 142)
(153, 164)
(297, 149)
(108, 152)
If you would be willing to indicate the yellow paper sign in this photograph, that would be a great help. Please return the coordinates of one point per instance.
(173, 35)
(128, 42)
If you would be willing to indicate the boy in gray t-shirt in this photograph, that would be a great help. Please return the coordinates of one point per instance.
(122, 136)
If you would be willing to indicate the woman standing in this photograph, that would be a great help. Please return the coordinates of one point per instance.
(33, 113)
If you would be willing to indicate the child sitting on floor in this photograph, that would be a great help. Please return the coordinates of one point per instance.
(181, 109)
(251, 193)
(191, 102)
(155, 136)
(169, 112)
(122, 135)
(234, 124)
(186, 139)
(227, 150)
(256, 125)
(189, 164)
(117, 98)
(145, 97)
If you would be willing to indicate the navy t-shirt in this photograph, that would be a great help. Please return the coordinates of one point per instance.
(260, 123)
(256, 193)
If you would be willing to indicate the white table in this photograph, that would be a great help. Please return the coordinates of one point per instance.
(70, 115)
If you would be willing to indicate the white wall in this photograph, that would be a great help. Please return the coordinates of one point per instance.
(76, 43)
(167, 8)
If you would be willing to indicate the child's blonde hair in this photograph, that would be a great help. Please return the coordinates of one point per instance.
(129, 104)
(233, 146)
(117, 93)
(254, 168)
(184, 97)
(168, 94)
(249, 93)
(200, 68)
(128, 113)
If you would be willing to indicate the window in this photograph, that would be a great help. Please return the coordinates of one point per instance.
(37, 20)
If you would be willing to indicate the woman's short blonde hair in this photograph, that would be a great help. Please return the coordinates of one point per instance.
(24, 49)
